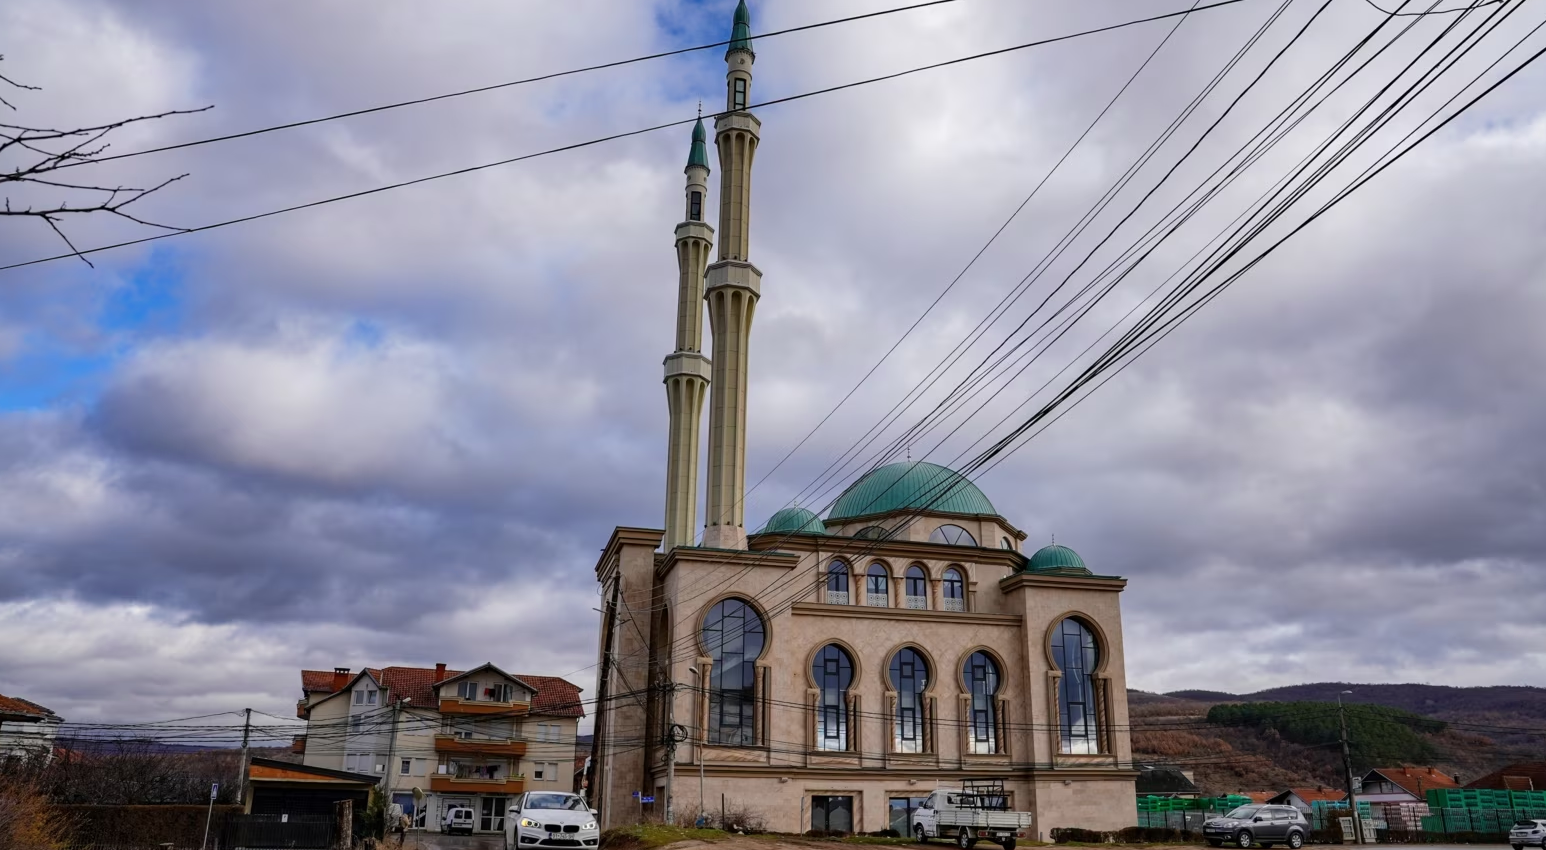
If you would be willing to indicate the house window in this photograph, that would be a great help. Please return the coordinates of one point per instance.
(832, 814)
(500, 693)
(870, 532)
(356, 724)
(877, 587)
(360, 762)
(405, 767)
(982, 679)
(833, 672)
(1007, 544)
(955, 590)
(695, 206)
(539, 770)
(548, 732)
(909, 678)
(365, 696)
(733, 636)
(1077, 656)
(902, 809)
(952, 535)
(837, 583)
(916, 583)
(740, 94)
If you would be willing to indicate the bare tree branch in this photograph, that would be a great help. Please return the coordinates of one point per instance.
(44, 150)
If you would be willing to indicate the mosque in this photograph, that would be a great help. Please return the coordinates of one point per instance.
(829, 672)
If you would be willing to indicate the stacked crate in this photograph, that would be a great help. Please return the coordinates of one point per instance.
(1482, 810)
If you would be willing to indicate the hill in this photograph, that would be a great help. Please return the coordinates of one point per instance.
(1256, 741)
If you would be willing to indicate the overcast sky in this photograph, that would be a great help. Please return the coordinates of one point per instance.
(398, 429)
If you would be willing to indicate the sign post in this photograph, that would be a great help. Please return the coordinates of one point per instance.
(214, 791)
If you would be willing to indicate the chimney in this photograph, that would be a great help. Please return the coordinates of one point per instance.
(440, 673)
(340, 678)
(1457, 779)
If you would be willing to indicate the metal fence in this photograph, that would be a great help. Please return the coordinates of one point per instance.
(303, 832)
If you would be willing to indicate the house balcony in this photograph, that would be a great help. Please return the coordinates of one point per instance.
(508, 747)
(457, 705)
(459, 785)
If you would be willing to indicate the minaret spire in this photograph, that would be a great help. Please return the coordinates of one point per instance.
(687, 370)
(733, 288)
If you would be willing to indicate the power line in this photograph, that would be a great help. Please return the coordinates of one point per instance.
(609, 138)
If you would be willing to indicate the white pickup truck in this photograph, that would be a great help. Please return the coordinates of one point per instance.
(969, 814)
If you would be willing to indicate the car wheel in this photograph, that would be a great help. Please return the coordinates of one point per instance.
(1009, 844)
(919, 834)
(1243, 839)
(1295, 840)
(1519, 847)
(964, 839)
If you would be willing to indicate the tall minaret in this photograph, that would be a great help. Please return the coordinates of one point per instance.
(734, 285)
(687, 370)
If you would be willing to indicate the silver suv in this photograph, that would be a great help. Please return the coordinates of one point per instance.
(1526, 833)
(1258, 826)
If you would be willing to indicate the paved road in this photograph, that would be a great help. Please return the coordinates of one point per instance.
(437, 841)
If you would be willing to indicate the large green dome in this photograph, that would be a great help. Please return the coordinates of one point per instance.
(794, 520)
(918, 485)
(1057, 557)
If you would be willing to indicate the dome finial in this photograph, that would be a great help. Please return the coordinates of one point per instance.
(698, 155)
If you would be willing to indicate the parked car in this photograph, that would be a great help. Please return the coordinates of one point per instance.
(1528, 833)
(969, 813)
(457, 819)
(552, 819)
(1258, 826)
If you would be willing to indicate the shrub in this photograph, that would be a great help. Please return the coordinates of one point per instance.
(27, 821)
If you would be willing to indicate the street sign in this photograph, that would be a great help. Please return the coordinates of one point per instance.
(646, 799)
(636, 795)
(214, 790)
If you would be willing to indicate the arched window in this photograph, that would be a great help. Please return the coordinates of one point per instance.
(917, 587)
(952, 535)
(955, 590)
(733, 636)
(1007, 544)
(1076, 654)
(877, 587)
(909, 678)
(837, 583)
(833, 672)
(871, 532)
(981, 678)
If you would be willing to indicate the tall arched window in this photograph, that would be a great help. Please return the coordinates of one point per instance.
(733, 637)
(981, 678)
(917, 587)
(909, 678)
(837, 583)
(952, 535)
(955, 590)
(1077, 655)
(877, 587)
(833, 672)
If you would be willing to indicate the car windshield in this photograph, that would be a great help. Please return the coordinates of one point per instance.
(1244, 812)
(564, 802)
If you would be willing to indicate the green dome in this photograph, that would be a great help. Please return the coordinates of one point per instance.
(741, 30)
(917, 486)
(699, 153)
(1057, 557)
(796, 520)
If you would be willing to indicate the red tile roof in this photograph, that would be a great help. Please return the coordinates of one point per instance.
(1417, 781)
(1315, 795)
(1525, 776)
(20, 707)
(555, 697)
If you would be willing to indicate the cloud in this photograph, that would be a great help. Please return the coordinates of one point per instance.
(398, 428)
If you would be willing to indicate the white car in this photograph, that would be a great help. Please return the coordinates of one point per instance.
(552, 819)
(1528, 833)
(457, 819)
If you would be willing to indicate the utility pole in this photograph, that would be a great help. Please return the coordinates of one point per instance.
(1347, 766)
(673, 736)
(241, 775)
(602, 709)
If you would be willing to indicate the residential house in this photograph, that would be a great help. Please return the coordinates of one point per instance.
(1524, 776)
(473, 738)
(1303, 798)
(1403, 784)
(26, 728)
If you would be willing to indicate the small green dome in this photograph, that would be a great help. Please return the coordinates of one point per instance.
(1057, 557)
(794, 520)
(917, 486)
(741, 31)
(699, 155)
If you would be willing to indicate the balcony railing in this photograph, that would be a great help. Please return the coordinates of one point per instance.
(482, 746)
(837, 597)
(477, 785)
(918, 603)
(457, 705)
(878, 600)
(955, 604)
